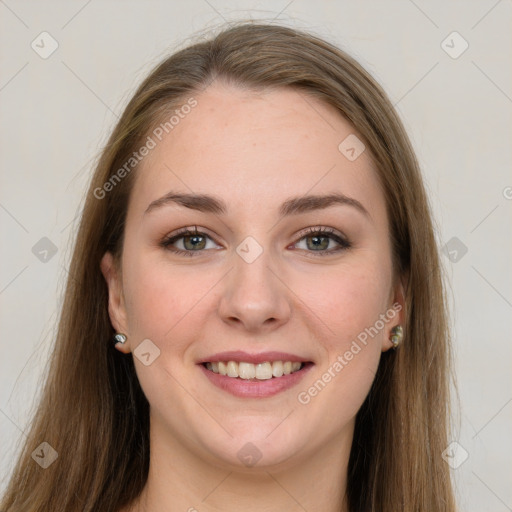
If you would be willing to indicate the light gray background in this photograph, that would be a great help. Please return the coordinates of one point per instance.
(56, 113)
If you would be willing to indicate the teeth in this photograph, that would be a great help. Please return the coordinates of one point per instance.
(263, 371)
(277, 369)
(246, 371)
(260, 371)
(222, 368)
(232, 369)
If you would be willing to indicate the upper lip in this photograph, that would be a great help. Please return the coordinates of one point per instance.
(262, 357)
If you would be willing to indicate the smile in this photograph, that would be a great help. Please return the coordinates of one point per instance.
(255, 380)
(248, 371)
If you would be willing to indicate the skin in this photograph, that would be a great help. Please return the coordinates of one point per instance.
(254, 150)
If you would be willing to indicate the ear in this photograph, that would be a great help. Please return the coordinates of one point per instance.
(395, 311)
(116, 303)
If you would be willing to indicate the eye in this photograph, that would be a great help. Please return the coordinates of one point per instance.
(192, 241)
(318, 240)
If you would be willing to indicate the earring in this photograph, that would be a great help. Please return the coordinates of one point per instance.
(120, 338)
(396, 335)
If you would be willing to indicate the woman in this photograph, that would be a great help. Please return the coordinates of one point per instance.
(255, 315)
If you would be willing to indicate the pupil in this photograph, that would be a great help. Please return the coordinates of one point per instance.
(194, 240)
(317, 241)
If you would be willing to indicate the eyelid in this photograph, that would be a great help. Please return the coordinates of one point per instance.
(187, 231)
(339, 237)
(320, 229)
(191, 230)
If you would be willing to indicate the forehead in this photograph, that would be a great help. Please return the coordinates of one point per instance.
(255, 148)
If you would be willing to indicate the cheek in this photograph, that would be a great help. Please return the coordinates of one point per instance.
(341, 300)
(347, 300)
(348, 307)
(163, 299)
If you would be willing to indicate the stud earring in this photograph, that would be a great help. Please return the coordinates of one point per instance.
(396, 335)
(120, 338)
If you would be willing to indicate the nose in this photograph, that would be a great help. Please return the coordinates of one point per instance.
(254, 298)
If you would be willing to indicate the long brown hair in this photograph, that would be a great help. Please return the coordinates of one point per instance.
(92, 409)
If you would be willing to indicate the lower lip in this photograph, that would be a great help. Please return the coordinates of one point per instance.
(256, 389)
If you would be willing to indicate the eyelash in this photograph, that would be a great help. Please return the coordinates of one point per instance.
(167, 242)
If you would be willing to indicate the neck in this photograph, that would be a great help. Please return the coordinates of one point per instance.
(180, 480)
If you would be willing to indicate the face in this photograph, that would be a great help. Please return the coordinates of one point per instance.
(267, 275)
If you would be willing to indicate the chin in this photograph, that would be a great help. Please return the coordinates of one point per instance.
(256, 449)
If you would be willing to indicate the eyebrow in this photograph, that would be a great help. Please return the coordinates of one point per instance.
(293, 206)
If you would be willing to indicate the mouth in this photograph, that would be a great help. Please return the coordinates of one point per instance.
(254, 372)
(255, 380)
